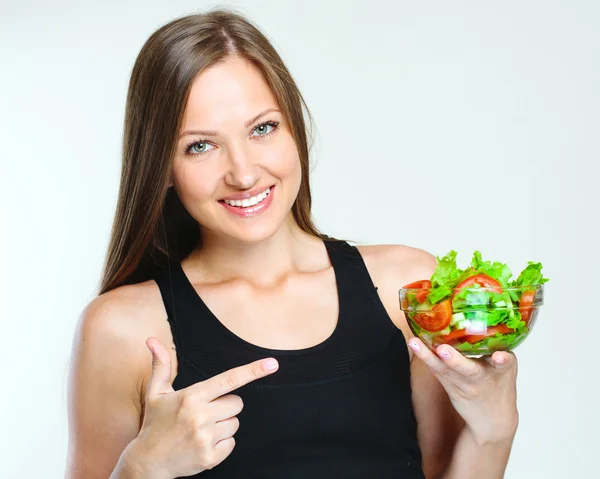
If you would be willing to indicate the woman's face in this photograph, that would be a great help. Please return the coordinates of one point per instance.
(237, 169)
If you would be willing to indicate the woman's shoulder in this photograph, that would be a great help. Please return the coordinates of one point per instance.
(114, 327)
(398, 261)
(392, 266)
(126, 311)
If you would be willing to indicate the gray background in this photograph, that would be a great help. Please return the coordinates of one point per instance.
(463, 124)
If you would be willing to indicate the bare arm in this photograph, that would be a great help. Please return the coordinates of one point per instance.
(451, 449)
(472, 459)
(438, 423)
(104, 406)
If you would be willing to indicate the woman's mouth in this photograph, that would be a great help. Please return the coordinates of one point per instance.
(250, 206)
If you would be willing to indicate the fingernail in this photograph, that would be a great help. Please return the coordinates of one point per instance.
(499, 360)
(270, 365)
(415, 347)
(445, 354)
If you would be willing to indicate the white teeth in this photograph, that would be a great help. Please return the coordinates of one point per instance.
(249, 201)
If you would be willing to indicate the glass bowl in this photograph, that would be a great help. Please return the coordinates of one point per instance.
(476, 321)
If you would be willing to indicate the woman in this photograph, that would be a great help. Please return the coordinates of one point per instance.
(275, 351)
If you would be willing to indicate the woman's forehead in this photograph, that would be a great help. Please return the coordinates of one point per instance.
(229, 91)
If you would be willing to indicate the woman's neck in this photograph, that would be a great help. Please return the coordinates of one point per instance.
(289, 250)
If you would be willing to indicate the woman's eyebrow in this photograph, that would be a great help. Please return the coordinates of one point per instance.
(216, 133)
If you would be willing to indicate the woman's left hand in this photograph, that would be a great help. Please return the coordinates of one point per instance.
(483, 391)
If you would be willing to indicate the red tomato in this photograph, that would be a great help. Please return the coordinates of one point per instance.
(462, 335)
(455, 335)
(482, 280)
(526, 305)
(437, 319)
(424, 284)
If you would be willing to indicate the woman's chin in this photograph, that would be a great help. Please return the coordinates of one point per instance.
(259, 231)
(254, 233)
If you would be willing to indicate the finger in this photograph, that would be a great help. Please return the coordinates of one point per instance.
(160, 377)
(226, 429)
(502, 360)
(431, 360)
(230, 380)
(223, 448)
(226, 407)
(459, 363)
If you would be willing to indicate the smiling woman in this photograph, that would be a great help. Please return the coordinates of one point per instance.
(170, 116)
(230, 337)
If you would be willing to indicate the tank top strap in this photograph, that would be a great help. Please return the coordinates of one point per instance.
(354, 275)
(171, 288)
(358, 294)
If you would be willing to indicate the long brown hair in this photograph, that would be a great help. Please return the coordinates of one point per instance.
(148, 211)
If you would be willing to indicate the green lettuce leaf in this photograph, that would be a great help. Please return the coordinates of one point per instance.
(515, 321)
(439, 293)
(532, 274)
(498, 342)
(493, 317)
(497, 316)
(446, 273)
(499, 271)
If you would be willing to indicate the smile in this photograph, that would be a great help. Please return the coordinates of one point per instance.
(251, 206)
(252, 201)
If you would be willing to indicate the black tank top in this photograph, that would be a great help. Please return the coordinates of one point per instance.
(339, 409)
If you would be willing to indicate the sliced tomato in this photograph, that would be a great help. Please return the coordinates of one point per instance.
(437, 319)
(455, 335)
(482, 280)
(526, 305)
(461, 334)
(424, 285)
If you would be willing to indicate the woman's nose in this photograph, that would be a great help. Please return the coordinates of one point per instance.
(242, 171)
(245, 182)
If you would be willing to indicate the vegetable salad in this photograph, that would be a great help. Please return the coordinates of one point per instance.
(477, 309)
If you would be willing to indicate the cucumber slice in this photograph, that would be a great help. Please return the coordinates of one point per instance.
(423, 306)
(456, 317)
(463, 324)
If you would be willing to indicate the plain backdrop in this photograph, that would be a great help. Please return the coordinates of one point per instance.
(441, 124)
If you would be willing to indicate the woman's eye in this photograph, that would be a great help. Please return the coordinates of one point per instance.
(263, 129)
(199, 147)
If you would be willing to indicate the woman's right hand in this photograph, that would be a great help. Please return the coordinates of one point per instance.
(191, 430)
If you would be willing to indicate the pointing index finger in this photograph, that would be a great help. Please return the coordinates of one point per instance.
(235, 378)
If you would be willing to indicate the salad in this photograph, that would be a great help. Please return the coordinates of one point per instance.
(478, 309)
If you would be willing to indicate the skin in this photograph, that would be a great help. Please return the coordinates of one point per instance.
(466, 409)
